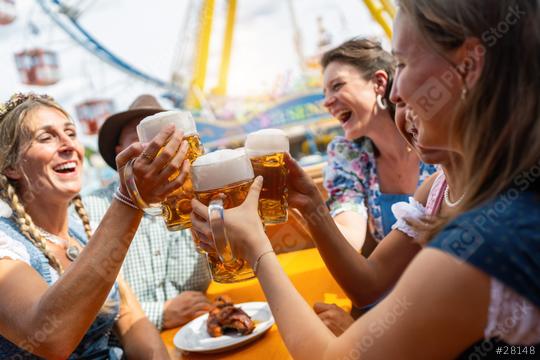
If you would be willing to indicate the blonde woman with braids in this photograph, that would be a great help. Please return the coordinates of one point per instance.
(478, 277)
(57, 301)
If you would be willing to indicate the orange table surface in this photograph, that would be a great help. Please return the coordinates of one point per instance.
(309, 275)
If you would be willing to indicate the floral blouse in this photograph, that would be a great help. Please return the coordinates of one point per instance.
(352, 183)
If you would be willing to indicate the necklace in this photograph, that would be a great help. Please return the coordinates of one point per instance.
(72, 252)
(447, 198)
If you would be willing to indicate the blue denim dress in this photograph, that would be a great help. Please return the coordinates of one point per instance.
(502, 239)
(95, 343)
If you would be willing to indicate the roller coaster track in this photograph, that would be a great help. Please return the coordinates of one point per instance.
(66, 19)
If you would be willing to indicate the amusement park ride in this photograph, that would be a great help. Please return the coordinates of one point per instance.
(301, 114)
(40, 67)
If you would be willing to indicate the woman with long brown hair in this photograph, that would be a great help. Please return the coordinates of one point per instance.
(480, 89)
(59, 301)
(371, 167)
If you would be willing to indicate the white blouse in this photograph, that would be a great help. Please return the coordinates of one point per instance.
(511, 317)
(14, 250)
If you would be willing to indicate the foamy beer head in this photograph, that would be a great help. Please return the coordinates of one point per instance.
(266, 149)
(220, 169)
(150, 126)
(267, 141)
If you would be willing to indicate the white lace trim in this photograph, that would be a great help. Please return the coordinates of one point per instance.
(357, 208)
(413, 209)
(511, 317)
(14, 250)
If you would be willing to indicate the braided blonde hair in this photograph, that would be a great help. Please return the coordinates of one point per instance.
(25, 223)
(27, 226)
(16, 135)
(109, 305)
(83, 215)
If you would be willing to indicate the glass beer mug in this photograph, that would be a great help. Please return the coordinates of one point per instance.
(221, 180)
(266, 150)
(176, 209)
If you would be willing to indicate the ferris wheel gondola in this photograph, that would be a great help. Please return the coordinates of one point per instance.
(92, 113)
(37, 66)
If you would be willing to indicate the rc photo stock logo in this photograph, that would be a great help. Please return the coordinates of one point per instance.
(463, 241)
(430, 98)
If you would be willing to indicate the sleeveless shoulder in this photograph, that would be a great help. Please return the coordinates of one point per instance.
(501, 238)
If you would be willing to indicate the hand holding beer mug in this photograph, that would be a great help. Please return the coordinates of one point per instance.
(266, 150)
(221, 180)
(177, 207)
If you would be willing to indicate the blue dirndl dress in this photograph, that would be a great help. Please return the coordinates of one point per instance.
(95, 343)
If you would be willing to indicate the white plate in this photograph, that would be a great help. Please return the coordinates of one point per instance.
(193, 336)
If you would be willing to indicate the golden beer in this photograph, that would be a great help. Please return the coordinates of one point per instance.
(176, 208)
(266, 149)
(239, 269)
(224, 176)
(273, 197)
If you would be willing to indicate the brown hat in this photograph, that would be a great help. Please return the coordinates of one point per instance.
(109, 133)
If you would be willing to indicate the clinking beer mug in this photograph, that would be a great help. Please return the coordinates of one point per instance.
(221, 180)
(176, 208)
(266, 150)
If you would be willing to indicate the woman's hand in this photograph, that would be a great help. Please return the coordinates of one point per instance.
(302, 191)
(242, 224)
(334, 317)
(159, 168)
(423, 227)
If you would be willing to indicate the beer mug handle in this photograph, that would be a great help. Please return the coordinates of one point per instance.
(219, 233)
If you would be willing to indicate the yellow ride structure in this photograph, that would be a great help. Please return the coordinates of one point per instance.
(383, 11)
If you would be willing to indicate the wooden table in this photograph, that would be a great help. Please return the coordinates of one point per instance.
(308, 273)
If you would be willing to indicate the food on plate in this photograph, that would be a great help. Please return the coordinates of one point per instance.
(224, 317)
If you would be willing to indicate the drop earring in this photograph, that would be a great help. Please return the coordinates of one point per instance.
(463, 71)
(464, 92)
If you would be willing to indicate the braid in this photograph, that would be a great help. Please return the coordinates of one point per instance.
(25, 223)
(81, 211)
(109, 305)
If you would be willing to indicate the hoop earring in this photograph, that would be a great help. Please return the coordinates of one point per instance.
(381, 103)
